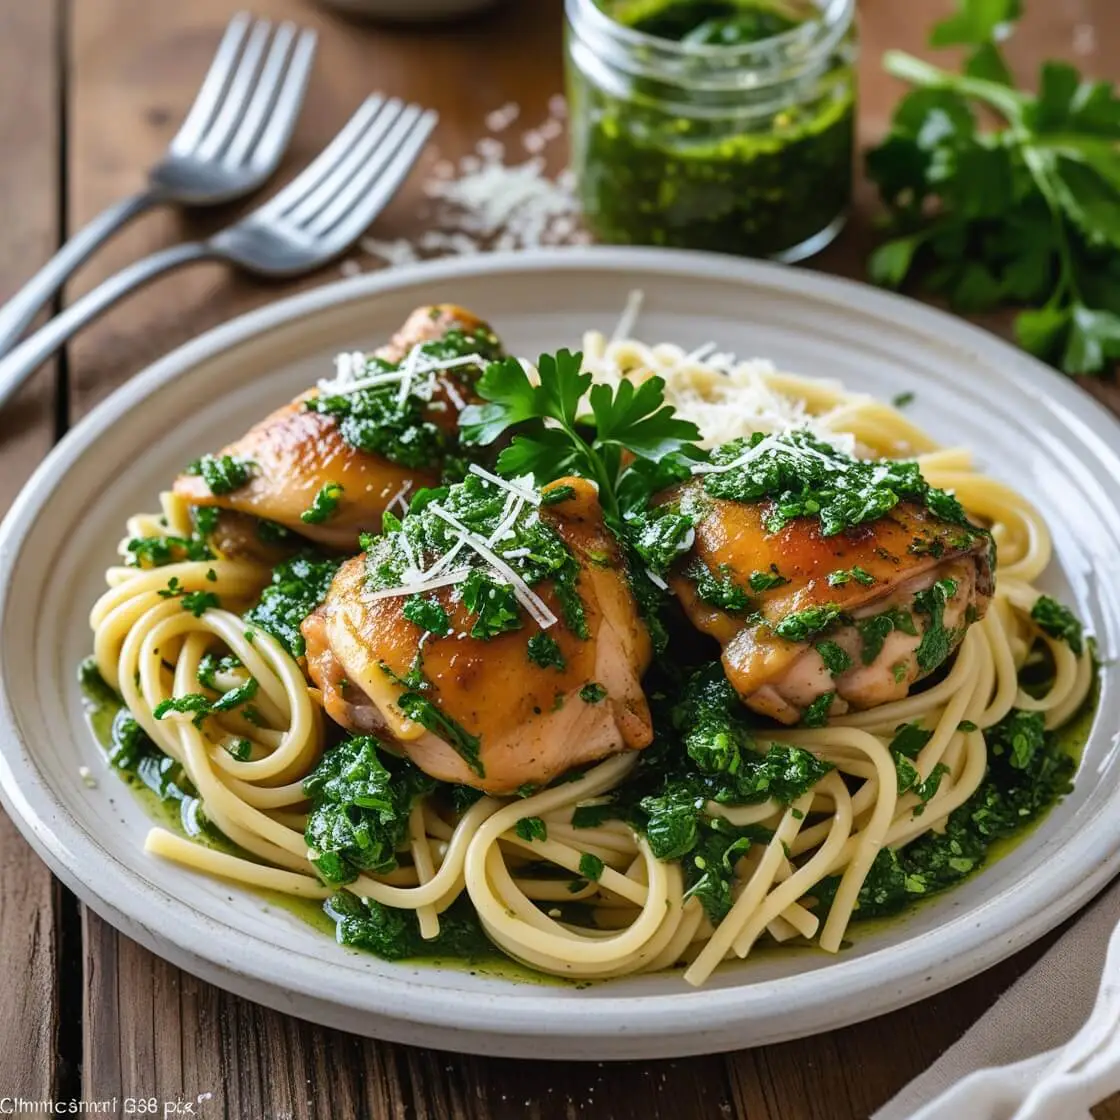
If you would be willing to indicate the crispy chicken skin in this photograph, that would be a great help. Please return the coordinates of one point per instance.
(296, 452)
(781, 678)
(531, 721)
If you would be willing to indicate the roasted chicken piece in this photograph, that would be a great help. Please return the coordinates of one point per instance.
(461, 678)
(814, 625)
(293, 454)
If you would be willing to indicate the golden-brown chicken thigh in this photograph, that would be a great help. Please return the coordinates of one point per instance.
(534, 702)
(296, 451)
(859, 616)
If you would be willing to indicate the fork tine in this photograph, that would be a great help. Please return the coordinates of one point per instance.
(311, 175)
(209, 95)
(270, 76)
(373, 195)
(281, 120)
(348, 192)
(237, 93)
(374, 138)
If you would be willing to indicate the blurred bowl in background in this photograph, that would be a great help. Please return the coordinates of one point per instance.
(406, 10)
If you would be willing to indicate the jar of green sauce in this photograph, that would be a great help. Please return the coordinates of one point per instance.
(713, 124)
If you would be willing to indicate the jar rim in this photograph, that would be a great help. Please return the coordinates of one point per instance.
(834, 17)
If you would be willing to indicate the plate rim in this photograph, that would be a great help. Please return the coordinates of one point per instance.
(652, 1022)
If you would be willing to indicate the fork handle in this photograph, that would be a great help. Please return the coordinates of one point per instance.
(29, 355)
(16, 315)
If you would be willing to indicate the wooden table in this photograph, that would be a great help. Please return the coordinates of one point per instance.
(90, 92)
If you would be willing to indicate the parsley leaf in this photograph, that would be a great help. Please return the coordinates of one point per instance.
(494, 604)
(592, 693)
(221, 473)
(1059, 622)
(544, 651)
(531, 828)
(937, 641)
(873, 631)
(359, 809)
(428, 614)
(836, 659)
(298, 586)
(845, 575)
(199, 602)
(419, 708)
(816, 714)
(191, 702)
(799, 626)
(626, 418)
(324, 505)
(719, 590)
(590, 867)
(1025, 214)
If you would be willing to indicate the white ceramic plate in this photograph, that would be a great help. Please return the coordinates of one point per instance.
(1028, 425)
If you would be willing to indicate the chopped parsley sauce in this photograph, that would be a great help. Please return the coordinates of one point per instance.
(507, 526)
(324, 505)
(222, 473)
(675, 155)
(801, 476)
(379, 420)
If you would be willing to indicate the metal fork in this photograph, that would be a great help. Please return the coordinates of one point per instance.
(311, 221)
(232, 140)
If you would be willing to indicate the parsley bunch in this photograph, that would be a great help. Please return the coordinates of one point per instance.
(1026, 214)
(555, 435)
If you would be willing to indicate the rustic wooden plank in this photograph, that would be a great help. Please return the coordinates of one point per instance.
(29, 898)
(151, 1030)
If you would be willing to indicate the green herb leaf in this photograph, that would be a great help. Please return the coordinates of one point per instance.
(419, 708)
(298, 586)
(590, 867)
(199, 602)
(836, 659)
(193, 702)
(592, 693)
(627, 418)
(1059, 622)
(937, 641)
(545, 652)
(816, 714)
(494, 604)
(799, 626)
(428, 614)
(324, 505)
(221, 473)
(531, 828)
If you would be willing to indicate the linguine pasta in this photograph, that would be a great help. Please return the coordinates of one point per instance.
(638, 917)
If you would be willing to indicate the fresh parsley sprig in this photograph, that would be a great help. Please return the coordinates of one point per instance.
(555, 435)
(1027, 214)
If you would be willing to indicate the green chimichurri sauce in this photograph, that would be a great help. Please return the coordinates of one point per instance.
(758, 171)
(169, 800)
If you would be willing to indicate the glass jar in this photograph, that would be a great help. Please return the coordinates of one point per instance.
(745, 148)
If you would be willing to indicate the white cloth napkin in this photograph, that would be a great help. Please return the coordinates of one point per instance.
(1039, 1013)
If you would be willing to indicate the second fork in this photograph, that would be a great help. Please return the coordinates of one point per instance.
(311, 221)
(232, 140)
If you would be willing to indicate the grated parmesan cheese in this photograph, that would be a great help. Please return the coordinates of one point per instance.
(521, 487)
(419, 586)
(724, 396)
(482, 203)
(533, 603)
